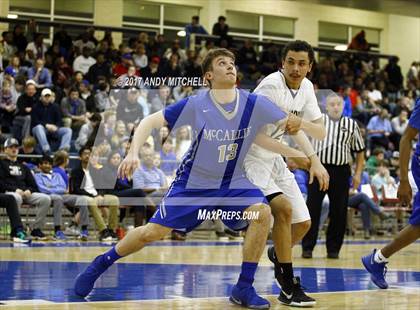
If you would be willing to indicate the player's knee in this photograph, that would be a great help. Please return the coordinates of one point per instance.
(148, 234)
(305, 226)
(281, 208)
(264, 214)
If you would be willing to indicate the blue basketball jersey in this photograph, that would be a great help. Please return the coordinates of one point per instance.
(415, 123)
(221, 138)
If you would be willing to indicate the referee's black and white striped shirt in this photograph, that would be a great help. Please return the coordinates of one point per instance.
(343, 137)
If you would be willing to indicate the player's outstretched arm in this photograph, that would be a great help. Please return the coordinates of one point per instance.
(275, 146)
(131, 162)
(314, 129)
(316, 168)
(404, 190)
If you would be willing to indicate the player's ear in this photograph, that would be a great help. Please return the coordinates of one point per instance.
(208, 75)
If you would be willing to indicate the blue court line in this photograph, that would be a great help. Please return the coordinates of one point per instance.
(71, 244)
(53, 281)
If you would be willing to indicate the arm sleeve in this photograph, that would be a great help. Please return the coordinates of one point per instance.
(357, 143)
(30, 180)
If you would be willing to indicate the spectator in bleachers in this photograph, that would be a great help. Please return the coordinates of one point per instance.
(269, 60)
(382, 177)
(47, 123)
(140, 57)
(22, 120)
(152, 70)
(379, 129)
(148, 177)
(395, 77)
(359, 42)
(247, 58)
(7, 49)
(64, 40)
(62, 72)
(17, 180)
(413, 72)
(159, 137)
(373, 161)
(101, 98)
(182, 91)
(83, 62)
(53, 184)
(121, 68)
(395, 166)
(194, 27)
(172, 67)
(205, 49)
(220, 28)
(169, 162)
(28, 149)
(99, 69)
(40, 75)
(19, 38)
(142, 101)
(128, 110)
(84, 41)
(14, 68)
(399, 124)
(360, 201)
(161, 100)
(182, 142)
(82, 181)
(119, 135)
(17, 233)
(365, 109)
(123, 188)
(86, 130)
(347, 111)
(8, 99)
(73, 110)
(374, 94)
(192, 66)
(175, 49)
(36, 49)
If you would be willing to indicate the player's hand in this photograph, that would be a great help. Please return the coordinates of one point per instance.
(356, 181)
(293, 124)
(318, 171)
(128, 166)
(404, 193)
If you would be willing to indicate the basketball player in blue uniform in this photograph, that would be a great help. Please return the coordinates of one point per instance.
(225, 122)
(375, 263)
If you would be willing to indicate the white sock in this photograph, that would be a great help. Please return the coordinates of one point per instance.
(379, 257)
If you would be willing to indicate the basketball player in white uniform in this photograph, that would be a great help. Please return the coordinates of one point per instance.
(294, 93)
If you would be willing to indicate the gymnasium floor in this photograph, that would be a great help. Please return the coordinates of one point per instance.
(195, 275)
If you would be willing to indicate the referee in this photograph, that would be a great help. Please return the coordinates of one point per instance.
(343, 137)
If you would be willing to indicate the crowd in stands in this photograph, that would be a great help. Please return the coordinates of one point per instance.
(64, 98)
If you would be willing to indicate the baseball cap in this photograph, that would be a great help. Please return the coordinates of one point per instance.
(46, 92)
(10, 71)
(396, 154)
(156, 59)
(127, 56)
(30, 82)
(11, 142)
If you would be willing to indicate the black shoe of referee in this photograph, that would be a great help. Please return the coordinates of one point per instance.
(292, 293)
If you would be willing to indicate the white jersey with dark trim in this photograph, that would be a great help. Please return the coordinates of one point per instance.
(301, 102)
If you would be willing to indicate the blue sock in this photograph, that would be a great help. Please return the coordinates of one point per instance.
(246, 278)
(108, 258)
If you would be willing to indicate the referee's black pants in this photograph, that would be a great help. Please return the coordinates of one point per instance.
(338, 193)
